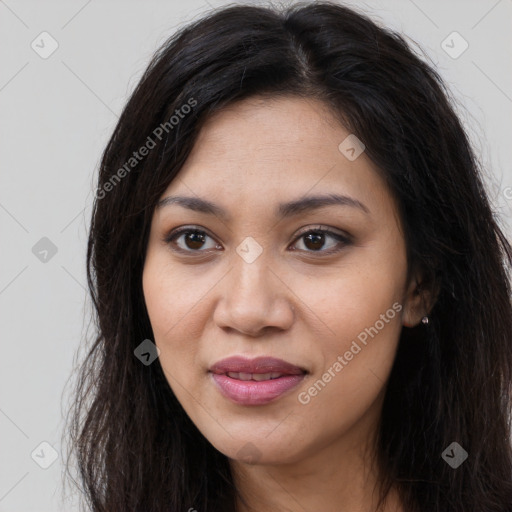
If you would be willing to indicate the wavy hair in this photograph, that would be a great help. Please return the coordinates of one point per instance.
(135, 447)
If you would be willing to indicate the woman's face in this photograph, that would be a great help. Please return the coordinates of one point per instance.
(259, 279)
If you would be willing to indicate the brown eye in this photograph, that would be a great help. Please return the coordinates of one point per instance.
(194, 239)
(315, 240)
(191, 240)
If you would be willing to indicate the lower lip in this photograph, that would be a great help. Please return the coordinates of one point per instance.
(251, 392)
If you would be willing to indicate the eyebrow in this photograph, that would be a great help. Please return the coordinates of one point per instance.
(289, 209)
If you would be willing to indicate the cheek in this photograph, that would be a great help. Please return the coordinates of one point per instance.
(172, 303)
(172, 294)
(360, 312)
(354, 297)
(354, 358)
(362, 325)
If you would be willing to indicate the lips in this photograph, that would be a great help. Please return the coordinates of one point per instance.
(254, 376)
(255, 381)
(259, 366)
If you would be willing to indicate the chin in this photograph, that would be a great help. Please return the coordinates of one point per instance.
(259, 451)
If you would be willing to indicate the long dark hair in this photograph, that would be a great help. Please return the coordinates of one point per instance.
(135, 447)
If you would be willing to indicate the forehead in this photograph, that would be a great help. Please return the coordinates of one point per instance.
(260, 151)
(270, 128)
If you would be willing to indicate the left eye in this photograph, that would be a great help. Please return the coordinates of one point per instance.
(314, 240)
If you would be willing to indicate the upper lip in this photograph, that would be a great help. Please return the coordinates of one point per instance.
(238, 364)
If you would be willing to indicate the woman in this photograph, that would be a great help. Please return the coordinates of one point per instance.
(301, 292)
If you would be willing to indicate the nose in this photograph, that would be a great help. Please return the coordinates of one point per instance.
(254, 299)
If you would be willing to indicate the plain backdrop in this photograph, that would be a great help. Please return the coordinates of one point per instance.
(57, 113)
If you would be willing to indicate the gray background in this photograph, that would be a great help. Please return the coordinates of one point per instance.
(57, 114)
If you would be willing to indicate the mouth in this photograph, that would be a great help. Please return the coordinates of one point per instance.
(255, 381)
(241, 367)
(258, 377)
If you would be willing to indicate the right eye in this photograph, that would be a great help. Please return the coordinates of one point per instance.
(190, 240)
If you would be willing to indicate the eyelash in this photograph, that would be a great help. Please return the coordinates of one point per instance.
(344, 240)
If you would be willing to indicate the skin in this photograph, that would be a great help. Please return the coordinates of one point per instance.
(298, 305)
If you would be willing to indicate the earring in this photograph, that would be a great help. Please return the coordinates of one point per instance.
(425, 320)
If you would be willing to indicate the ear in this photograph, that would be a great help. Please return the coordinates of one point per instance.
(419, 299)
